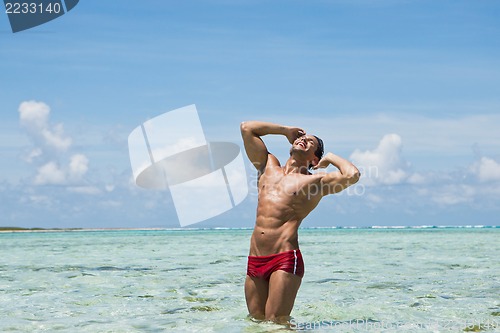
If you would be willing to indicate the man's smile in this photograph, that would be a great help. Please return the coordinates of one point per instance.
(302, 143)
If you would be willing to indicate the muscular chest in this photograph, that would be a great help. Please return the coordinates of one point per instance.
(278, 186)
(288, 196)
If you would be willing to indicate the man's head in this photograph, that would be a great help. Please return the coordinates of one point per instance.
(309, 147)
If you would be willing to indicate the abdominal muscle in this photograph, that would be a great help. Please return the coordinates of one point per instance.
(271, 237)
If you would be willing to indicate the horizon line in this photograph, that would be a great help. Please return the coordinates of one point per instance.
(374, 227)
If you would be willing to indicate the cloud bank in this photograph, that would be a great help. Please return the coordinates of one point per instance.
(50, 146)
(64, 191)
(384, 167)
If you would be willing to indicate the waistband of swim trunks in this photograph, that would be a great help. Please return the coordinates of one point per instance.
(275, 254)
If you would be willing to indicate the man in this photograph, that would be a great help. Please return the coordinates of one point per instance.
(286, 195)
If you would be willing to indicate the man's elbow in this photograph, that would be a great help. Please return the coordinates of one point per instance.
(245, 127)
(353, 176)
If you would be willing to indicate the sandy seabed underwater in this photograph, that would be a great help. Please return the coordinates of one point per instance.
(356, 280)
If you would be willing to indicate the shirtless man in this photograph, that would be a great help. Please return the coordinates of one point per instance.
(286, 195)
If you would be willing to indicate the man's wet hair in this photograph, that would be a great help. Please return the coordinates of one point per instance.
(319, 151)
(321, 148)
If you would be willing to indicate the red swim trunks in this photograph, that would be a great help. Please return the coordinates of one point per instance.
(263, 266)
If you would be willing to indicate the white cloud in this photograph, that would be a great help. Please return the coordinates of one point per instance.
(56, 138)
(50, 146)
(486, 169)
(34, 116)
(78, 166)
(50, 174)
(384, 164)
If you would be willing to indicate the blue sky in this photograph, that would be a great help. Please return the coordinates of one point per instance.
(408, 90)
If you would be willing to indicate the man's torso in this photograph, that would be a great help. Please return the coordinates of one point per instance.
(284, 201)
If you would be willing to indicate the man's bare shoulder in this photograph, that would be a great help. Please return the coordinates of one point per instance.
(272, 161)
(272, 165)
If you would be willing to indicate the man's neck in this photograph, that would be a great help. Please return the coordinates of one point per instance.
(296, 166)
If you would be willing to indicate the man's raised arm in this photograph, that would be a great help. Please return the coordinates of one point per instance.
(251, 131)
(337, 181)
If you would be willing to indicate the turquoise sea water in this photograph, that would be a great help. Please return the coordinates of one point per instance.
(356, 280)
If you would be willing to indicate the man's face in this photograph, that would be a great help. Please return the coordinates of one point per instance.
(305, 143)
